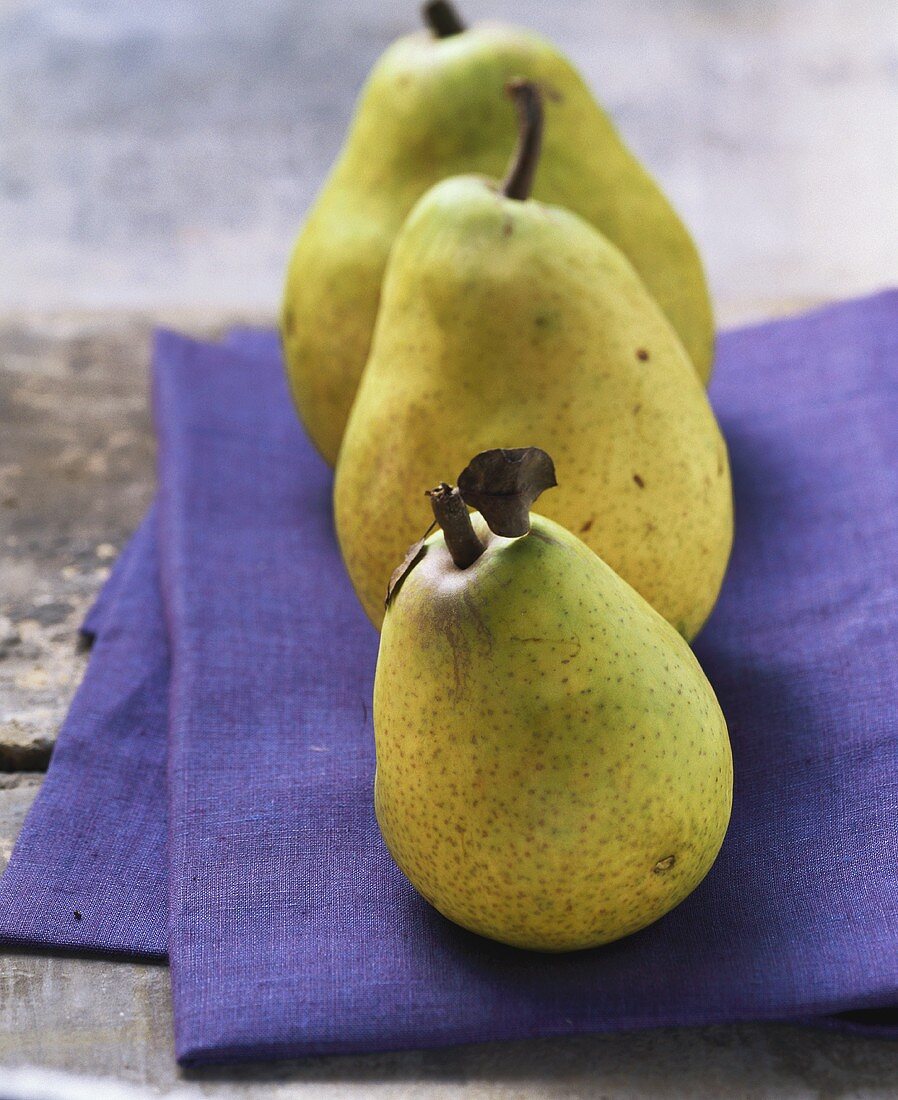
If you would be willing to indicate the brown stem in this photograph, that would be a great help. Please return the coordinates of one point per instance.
(519, 181)
(442, 18)
(451, 514)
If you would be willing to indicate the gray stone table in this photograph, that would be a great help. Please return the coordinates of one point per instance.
(154, 164)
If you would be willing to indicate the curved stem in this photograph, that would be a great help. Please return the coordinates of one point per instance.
(442, 18)
(519, 181)
(451, 514)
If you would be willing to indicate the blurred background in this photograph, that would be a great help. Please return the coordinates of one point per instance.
(162, 155)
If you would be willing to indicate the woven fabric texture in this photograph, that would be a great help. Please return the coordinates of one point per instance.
(211, 789)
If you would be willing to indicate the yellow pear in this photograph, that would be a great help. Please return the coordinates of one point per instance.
(433, 107)
(553, 768)
(505, 319)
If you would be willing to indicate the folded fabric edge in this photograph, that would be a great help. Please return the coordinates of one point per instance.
(287, 1050)
(252, 340)
(95, 619)
(32, 945)
(247, 340)
(103, 913)
(874, 1023)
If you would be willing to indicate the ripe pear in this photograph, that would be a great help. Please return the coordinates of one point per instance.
(503, 318)
(431, 108)
(553, 768)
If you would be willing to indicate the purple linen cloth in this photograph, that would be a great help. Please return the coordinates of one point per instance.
(289, 930)
(89, 867)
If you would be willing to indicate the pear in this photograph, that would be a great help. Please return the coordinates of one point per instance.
(503, 318)
(431, 108)
(553, 768)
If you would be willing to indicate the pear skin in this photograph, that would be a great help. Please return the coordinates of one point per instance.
(553, 768)
(507, 321)
(431, 108)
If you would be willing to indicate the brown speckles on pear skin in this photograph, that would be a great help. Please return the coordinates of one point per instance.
(464, 358)
(553, 770)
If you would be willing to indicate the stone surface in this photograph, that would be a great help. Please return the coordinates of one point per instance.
(75, 436)
(76, 474)
(17, 792)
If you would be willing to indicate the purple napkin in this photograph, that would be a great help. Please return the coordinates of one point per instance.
(289, 931)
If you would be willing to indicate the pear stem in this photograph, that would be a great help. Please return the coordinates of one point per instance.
(519, 181)
(442, 18)
(451, 514)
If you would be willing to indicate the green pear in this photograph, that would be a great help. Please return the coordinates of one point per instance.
(553, 768)
(505, 319)
(432, 108)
